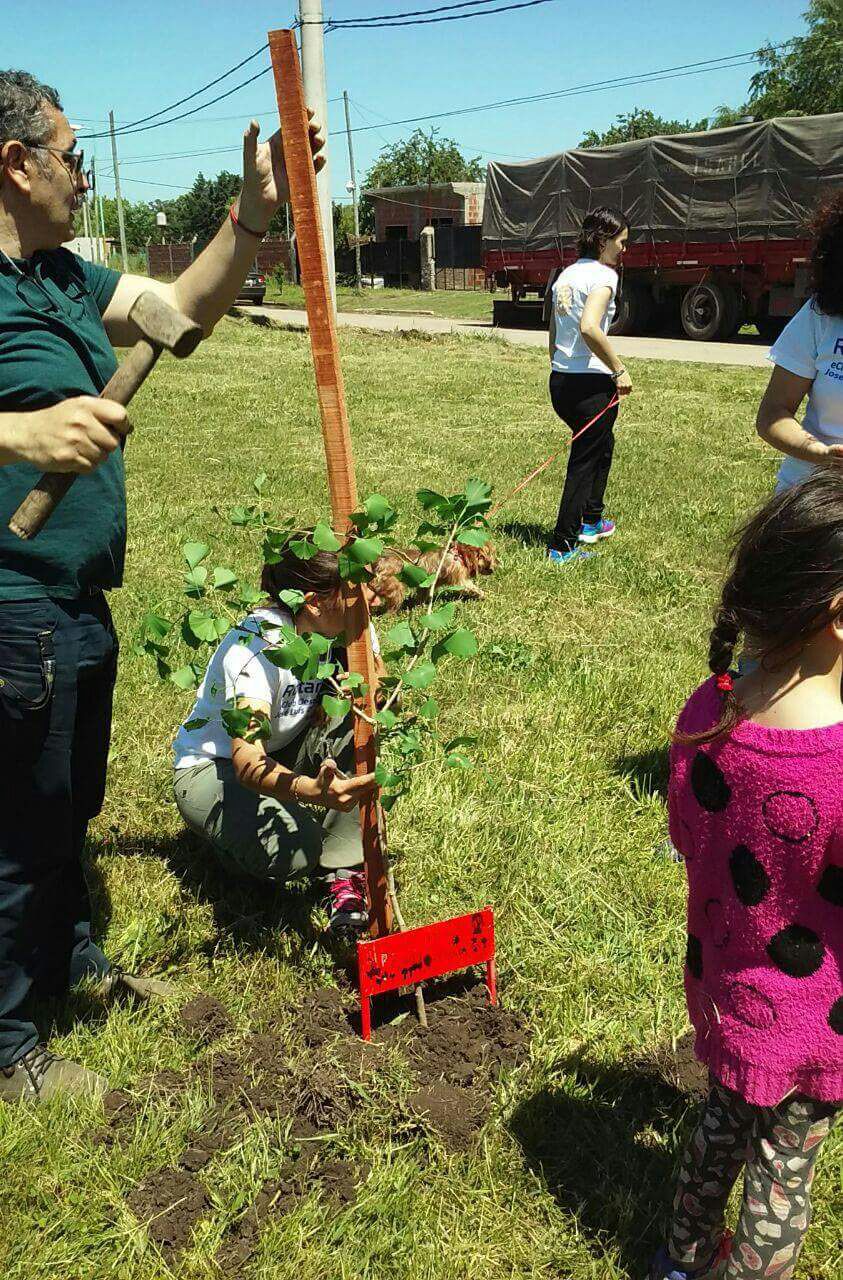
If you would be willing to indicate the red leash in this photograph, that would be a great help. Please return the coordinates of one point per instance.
(528, 479)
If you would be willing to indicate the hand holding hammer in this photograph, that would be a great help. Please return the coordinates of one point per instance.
(163, 329)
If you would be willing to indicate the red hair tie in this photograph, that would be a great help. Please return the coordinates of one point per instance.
(725, 683)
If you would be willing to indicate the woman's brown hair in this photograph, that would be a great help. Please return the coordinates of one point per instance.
(785, 584)
(599, 226)
(827, 256)
(321, 573)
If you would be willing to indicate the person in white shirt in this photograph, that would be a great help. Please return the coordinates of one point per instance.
(808, 360)
(251, 800)
(586, 376)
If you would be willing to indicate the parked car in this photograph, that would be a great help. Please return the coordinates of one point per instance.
(253, 288)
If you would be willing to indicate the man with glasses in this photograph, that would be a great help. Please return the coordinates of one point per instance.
(59, 320)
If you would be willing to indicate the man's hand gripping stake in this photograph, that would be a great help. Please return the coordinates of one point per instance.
(162, 329)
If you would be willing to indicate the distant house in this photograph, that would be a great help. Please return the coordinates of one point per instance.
(402, 212)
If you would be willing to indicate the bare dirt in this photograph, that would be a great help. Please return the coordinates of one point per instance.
(205, 1019)
(308, 1083)
(170, 1203)
(676, 1063)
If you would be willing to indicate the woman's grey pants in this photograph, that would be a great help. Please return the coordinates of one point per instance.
(255, 835)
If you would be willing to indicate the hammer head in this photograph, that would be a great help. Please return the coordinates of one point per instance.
(163, 326)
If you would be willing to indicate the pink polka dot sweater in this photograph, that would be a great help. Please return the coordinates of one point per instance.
(757, 815)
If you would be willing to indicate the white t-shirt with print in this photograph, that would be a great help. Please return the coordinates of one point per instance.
(571, 353)
(811, 346)
(238, 669)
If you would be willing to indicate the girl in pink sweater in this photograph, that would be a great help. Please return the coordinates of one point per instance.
(756, 810)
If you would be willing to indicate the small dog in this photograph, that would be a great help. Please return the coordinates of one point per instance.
(461, 566)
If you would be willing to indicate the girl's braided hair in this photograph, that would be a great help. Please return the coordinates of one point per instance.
(785, 584)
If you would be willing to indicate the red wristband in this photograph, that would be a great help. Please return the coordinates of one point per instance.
(259, 235)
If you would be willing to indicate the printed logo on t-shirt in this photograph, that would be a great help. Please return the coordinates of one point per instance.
(299, 697)
(564, 298)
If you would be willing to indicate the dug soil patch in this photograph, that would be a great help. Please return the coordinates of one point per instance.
(677, 1064)
(169, 1203)
(205, 1019)
(456, 1061)
(312, 1091)
(337, 1180)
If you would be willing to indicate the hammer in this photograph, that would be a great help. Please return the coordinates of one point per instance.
(163, 329)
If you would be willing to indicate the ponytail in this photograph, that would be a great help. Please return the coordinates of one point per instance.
(721, 651)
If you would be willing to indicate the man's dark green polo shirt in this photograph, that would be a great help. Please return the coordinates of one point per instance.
(52, 346)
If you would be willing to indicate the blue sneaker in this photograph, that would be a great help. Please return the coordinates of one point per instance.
(565, 557)
(662, 1268)
(594, 532)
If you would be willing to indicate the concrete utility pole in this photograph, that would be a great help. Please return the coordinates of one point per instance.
(358, 275)
(316, 97)
(120, 221)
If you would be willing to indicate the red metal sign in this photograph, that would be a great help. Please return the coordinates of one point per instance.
(403, 959)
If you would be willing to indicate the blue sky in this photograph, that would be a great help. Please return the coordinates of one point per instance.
(99, 58)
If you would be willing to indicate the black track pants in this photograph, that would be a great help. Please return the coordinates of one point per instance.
(577, 397)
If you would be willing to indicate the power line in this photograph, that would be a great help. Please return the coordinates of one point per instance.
(396, 20)
(413, 13)
(127, 132)
(471, 146)
(163, 110)
(725, 63)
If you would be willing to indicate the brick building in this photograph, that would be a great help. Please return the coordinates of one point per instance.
(402, 212)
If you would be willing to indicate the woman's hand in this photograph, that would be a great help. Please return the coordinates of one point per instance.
(623, 382)
(832, 455)
(265, 186)
(333, 789)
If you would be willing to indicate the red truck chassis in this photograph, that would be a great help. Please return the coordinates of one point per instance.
(711, 288)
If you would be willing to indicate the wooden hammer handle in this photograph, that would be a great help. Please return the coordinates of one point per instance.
(42, 500)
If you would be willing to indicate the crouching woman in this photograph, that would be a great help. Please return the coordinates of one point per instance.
(284, 806)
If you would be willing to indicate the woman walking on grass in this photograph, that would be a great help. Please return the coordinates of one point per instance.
(756, 810)
(808, 359)
(283, 807)
(586, 376)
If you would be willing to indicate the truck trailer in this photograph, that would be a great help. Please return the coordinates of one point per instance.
(717, 224)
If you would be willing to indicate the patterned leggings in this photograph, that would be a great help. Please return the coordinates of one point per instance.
(778, 1148)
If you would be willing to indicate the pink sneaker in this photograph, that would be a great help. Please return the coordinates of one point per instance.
(347, 910)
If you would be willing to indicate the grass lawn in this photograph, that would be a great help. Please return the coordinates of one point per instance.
(452, 304)
(572, 694)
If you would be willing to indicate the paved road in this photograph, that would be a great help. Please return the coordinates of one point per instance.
(749, 352)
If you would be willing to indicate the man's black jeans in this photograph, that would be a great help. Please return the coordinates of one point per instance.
(58, 661)
(577, 397)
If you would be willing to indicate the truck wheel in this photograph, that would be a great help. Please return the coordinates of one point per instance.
(626, 315)
(710, 312)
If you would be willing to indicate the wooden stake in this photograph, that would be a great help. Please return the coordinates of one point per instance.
(335, 431)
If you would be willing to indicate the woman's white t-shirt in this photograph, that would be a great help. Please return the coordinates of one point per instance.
(571, 353)
(239, 669)
(811, 346)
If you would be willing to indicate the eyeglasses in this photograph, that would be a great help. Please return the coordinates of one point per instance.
(72, 160)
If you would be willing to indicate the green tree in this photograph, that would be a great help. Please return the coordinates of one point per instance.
(806, 77)
(139, 220)
(343, 224)
(726, 115)
(422, 158)
(638, 123)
